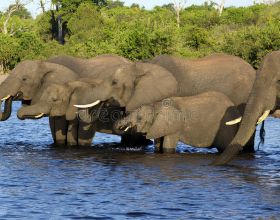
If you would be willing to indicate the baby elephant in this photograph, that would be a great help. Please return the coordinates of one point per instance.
(206, 120)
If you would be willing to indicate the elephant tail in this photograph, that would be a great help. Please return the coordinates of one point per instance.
(262, 135)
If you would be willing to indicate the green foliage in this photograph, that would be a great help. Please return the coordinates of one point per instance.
(93, 27)
(22, 12)
(44, 26)
(9, 56)
(252, 43)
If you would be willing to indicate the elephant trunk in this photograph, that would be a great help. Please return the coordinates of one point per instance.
(8, 90)
(36, 111)
(7, 109)
(254, 110)
(122, 126)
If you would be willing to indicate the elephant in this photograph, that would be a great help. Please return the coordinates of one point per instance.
(29, 79)
(142, 83)
(29, 75)
(264, 98)
(58, 100)
(199, 120)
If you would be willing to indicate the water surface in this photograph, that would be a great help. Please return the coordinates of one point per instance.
(108, 181)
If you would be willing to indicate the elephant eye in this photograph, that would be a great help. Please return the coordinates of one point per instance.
(139, 118)
(24, 79)
(114, 82)
(54, 99)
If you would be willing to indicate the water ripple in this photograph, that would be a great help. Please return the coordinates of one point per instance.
(109, 181)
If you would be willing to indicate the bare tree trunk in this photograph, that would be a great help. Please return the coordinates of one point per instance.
(221, 7)
(15, 7)
(2, 71)
(178, 6)
(178, 19)
(60, 37)
(9, 14)
(42, 5)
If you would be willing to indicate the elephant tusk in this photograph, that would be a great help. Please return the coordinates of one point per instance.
(39, 116)
(126, 129)
(88, 105)
(5, 98)
(235, 121)
(263, 117)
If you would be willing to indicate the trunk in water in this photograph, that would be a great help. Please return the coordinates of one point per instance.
(7, 109)
(247, 127)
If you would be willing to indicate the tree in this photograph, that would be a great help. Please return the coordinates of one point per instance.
(221, 7)
(178, 6)
(18, 6)
(42, 4)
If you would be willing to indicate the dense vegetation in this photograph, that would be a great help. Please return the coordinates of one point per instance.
(86, 28)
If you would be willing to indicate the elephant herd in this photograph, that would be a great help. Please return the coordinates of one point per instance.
(215, 101)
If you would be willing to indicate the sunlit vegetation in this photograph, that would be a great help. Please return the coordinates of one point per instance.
(88, 28)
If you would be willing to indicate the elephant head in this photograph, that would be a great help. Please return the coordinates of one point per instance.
(57, 100)
(263, 99)
(140, 119)
(155, 120)
(27, 78)
(133, 85)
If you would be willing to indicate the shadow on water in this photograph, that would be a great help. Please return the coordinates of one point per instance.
(110, 181)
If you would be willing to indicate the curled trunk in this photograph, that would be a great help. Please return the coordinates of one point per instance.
(254, 109)
(36, 111)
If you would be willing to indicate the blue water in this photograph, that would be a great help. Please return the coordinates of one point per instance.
(107, 181)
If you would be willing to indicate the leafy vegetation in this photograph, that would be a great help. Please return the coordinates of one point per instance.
(89, 28)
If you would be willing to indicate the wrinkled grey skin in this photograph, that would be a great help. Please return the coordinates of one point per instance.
(164, 76)
(58, 100)
(28, 76)
(265, 95)
(133, 85)
(29, 79)
(223, 73)
(192, 120)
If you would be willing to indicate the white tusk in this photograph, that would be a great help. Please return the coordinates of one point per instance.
(235, 121)
(88, 105)
(263, 117)
(5, 98)
(126, 129)
(39, 116)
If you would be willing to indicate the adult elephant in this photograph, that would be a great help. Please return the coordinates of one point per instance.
(222, 73)
(32, 74)
(264, 98)
(137, 84)
(29, 79)
(58, 101)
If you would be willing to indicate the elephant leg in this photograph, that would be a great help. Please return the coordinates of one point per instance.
(158, 142)
(72, 133)
(86, 133)
(58, 126)
(170, 143)
(52, 127)
(249, 147)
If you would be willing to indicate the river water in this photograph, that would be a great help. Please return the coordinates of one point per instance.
(107, 181)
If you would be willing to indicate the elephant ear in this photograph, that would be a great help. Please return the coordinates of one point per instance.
(77, 88)
(168, 120)
(153, 83)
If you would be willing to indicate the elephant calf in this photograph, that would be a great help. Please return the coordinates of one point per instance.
(206, 120)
